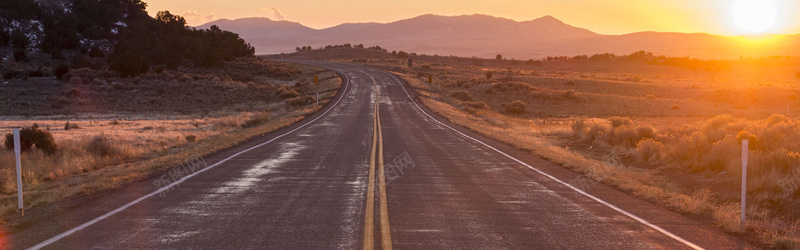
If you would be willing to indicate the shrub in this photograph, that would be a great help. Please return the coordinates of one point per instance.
(579, 127)
(191, 138)
(595, 132)
(61, 70)
(256, 120)
(489, 74)
(516, 107)
(33, 136)
(676, 107)
(475, 105)
(571, 94)
(689, 150)
(717, 122)
(650, 97)
(649, 150)
(300, 101)
(645, 131)
(617, 121)
(102, 145)
(461, 95)
(69, 126)
(720, 156)
(286, 94)
(625, 136)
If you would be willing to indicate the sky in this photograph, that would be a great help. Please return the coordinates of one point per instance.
(601, 16)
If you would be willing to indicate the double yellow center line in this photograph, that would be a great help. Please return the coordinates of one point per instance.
(377, 152)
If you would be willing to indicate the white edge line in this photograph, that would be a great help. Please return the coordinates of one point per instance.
(626, 213)
(129, 204)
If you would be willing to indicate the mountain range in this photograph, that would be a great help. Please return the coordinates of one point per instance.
(487, 36)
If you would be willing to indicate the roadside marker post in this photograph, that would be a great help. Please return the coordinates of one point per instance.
(17, 150)
(316, 83)
(430, 82)
(745, 150)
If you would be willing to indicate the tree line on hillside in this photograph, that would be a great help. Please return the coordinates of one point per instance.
(401, 54)
(342, 46)
(120, 31)
(644, 57)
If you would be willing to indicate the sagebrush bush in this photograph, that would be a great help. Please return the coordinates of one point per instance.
(625, 136)
(33, 136)
(300, 101)
(102, 145)
(649, 150)
(689, 151)
(596, 132)
(191, 138)
(287, 94)
(617, 121)
(256, 120)
(578, 128)
(475, 105)
(516, 107)
(721, 156)
(645, 131)
(461, 95)
(69, 126)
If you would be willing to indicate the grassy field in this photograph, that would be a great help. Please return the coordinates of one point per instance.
(102, 150)
(667, 134)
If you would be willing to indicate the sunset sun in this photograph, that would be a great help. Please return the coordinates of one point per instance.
(755, 16)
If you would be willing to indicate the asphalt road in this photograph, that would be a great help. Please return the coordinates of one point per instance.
(308, 186)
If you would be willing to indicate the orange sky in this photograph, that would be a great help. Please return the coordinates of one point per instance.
(602, 16)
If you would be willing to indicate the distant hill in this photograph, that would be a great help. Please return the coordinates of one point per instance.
(487, 36)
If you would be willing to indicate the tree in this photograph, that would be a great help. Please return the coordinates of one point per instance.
(20, 55)
(174, 21)
(19, 9)
(96, 52)
(402, 54)
(4, 37)
(18, 39)
(130, 65)
(499, 57)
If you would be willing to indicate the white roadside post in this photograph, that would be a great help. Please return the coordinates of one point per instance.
(745, 150)
(17, 150)
(316, 87)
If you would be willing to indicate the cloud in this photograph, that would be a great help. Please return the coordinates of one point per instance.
(195, 18)
(273, 13)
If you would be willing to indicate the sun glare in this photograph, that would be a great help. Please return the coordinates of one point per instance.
(755, 16)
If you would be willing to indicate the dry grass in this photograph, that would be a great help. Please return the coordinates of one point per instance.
(624, 136)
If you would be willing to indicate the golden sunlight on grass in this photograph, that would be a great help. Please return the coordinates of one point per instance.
(686, 162)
